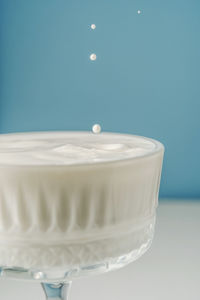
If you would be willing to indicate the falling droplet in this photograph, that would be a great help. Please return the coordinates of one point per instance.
(139, 12)
(93, 56)
(93, 26)
(96, 128)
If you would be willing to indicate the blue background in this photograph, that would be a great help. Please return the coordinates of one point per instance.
(145, 81)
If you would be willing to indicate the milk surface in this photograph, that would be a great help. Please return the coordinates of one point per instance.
(70, 148)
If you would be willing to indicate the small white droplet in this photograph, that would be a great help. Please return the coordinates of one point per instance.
(139, 12)
(38, 275)
(96, 128)
(93, 26)
(93, 56)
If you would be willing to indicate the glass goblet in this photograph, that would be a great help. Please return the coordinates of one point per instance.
(104, 221)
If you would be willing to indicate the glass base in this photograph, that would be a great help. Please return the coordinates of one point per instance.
(49, 276)
(72, 257)
(56, 281)
(56, 284)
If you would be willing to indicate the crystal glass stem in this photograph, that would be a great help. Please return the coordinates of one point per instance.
(57, 291)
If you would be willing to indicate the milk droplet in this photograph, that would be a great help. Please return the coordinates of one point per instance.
(96, 128)
(93, 56)
(93, 26)
(38, 275)
(139, 12)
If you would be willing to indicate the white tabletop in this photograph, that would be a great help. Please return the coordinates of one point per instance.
(169, 270)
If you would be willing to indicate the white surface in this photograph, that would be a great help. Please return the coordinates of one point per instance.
(66, 148)
(168, 271)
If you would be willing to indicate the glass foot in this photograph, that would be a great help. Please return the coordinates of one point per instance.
(57, 291)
